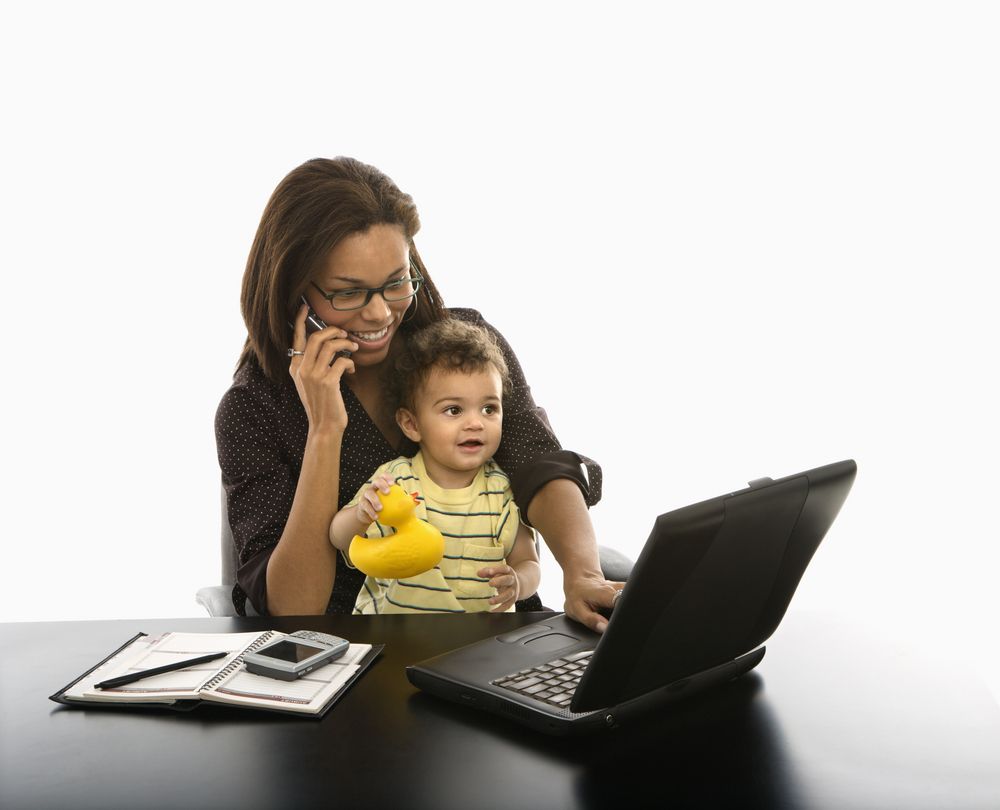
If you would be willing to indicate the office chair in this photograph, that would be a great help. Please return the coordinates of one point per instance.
(218, 599)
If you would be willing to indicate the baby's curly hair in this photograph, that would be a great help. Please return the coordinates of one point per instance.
(449, 344)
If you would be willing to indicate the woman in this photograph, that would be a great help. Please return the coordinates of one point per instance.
(303, 425)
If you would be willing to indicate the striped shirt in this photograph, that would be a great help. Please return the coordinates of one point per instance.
(479, 524)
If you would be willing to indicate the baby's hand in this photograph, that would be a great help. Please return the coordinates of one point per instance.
(369, 505)
(504, 579)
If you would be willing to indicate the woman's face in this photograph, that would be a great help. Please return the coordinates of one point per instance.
(362, 261)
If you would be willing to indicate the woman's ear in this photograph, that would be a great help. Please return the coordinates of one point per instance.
(408, 424)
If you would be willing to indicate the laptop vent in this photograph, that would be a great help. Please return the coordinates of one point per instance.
(515, 711)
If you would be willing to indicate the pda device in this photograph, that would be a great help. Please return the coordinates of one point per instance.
(293, 655)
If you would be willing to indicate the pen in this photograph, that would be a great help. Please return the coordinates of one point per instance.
(146, 673)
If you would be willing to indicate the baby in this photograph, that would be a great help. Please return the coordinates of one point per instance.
(450, 381)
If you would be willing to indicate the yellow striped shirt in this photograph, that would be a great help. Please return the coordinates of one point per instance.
(479, 524)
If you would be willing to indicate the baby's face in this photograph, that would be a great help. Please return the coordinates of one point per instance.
(458, 423)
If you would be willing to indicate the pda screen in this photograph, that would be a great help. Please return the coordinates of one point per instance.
(286, 650)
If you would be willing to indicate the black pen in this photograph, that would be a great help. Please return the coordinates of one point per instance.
(146, 673)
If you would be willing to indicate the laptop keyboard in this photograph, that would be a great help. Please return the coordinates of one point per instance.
(553, 682)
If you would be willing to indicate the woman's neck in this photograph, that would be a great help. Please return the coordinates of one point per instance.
(364, 378)
(366, 385)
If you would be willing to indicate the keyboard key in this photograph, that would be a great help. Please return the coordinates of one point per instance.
(553, 682)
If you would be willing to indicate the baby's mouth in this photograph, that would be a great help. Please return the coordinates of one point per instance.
(471, 443)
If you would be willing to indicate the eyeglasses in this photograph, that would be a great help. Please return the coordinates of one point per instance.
(358, 298)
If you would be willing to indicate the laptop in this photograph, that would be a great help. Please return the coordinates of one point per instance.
(710, 586)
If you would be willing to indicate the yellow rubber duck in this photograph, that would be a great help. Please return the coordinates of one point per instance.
(414, 548)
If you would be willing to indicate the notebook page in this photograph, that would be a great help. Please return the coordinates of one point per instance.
(308, 694)
(155, 651)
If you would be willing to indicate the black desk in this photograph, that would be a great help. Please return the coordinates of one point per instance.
(832, 718)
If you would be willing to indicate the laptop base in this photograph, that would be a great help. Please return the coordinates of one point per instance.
(540, 716)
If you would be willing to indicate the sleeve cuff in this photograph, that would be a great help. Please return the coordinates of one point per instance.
(252, 578)
(530, 478)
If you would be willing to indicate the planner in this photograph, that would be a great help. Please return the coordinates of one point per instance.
(224, 681)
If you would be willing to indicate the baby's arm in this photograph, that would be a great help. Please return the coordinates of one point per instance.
(517, 579)
(352, 520)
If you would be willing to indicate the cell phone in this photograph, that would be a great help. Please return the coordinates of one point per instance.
(292, 656)
(313, 324)
(313, 321)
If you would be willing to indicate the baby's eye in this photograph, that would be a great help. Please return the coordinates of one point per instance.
(489, 410)
(453, 410)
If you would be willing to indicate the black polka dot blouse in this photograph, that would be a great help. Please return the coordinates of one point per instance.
(261, 428)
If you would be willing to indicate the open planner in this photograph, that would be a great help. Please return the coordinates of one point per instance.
(223, 681)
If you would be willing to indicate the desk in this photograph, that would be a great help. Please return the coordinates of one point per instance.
(832, 718)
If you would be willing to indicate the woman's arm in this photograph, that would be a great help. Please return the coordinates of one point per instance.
(560, 514)
(303, 566)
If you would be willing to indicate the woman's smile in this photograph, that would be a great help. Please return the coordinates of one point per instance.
(372, 339)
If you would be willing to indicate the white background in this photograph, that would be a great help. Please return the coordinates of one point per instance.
(726, 241)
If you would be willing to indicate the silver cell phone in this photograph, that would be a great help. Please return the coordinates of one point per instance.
(292, 656)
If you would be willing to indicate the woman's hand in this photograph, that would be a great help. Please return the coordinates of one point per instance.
(317, 374)
(590, 600)
(369, 505)
(508, 586)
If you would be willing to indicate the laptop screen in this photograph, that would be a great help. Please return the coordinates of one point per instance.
(712, 582)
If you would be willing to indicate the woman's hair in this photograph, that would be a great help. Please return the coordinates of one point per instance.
(448, 344)
(310, 212)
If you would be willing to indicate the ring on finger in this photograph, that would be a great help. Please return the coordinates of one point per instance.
(295, 353)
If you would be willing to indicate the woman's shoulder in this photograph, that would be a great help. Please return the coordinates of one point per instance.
(475, 317)
(252, 392)
(467, 314)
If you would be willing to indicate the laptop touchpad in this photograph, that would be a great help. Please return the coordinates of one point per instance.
(550, 641)
(523, 632)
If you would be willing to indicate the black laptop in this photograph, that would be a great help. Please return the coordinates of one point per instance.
(709, 588)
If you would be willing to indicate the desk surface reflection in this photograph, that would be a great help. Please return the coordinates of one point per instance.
(832, 717)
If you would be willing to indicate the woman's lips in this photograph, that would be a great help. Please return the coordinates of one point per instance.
(372, 339)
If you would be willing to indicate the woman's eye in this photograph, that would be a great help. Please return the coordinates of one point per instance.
(346, 295)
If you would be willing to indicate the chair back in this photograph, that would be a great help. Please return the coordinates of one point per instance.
(230, 561)
(218, 599)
